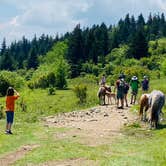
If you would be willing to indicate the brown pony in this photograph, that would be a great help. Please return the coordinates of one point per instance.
(144, 105)
(101, 95)
(110, 94)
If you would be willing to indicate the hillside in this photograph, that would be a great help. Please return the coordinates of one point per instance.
(58, 120)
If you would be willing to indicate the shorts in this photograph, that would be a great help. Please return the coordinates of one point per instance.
(120, 95)
(9, 116)
(134, 92)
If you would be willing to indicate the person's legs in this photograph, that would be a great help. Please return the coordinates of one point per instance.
(131, 102)
(10, 117)
(122, 102)
(125, 98)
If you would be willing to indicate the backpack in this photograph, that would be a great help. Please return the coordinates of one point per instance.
(145, 84)
(126, 87)
(121, 85)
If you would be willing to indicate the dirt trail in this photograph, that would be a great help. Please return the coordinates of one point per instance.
(94, 126)
(9, 159)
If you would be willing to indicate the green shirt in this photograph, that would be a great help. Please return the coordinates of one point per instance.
(134, 85)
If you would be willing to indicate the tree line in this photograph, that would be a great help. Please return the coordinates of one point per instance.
(87, 44)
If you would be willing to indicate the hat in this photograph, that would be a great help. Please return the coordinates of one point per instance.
(145, 77)
(134, 78)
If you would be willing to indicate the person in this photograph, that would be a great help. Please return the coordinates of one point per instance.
(126, 89)
(11, 96)
(134, 84)
(120, 92)
(145, 84)
(103, 80)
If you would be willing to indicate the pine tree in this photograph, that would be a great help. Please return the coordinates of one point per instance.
(139, 45)
(75, 51)
(32, 59)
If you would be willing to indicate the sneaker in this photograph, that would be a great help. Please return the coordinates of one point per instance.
(7, 132)
(10, 132)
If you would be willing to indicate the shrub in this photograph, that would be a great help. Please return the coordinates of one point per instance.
(23, 105)
(43, 81)
(81, 92)
(10, 79)
(51, 91)
(2, 114)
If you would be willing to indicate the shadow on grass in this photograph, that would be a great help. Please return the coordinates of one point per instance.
(161, 126)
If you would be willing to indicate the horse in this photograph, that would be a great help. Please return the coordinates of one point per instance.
(156, 102)
(110, 94)
(105, 91)
(144, 105)
(101, 95)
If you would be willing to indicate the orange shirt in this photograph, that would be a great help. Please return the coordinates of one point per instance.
(10, 102)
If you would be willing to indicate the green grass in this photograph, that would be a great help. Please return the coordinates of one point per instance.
(137, 146)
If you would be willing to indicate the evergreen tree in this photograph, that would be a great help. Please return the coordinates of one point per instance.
(7, 62)
(3, 49)
(139, 45)
(32, 60)
(75, 51)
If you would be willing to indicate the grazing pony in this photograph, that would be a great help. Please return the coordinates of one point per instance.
(144, 105)
(156, 102)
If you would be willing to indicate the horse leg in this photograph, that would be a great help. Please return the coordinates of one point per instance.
(146, 108)
(141, 112)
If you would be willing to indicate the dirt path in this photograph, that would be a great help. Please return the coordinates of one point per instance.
(95, 126)
(9, 159)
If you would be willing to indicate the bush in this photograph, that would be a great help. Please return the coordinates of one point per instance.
(44, 81)
(2, 114)
(81, 92)
(10, 79)
(51, 91)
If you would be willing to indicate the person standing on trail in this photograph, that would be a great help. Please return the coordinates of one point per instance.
(126, 89)
(120, 92)
(10, 103)
(134, 84)
(145, 84)
(103, 80)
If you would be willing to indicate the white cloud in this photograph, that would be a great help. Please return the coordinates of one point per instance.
(47, 16)
(52, 16)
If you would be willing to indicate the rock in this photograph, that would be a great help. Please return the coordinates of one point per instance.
(105, 115)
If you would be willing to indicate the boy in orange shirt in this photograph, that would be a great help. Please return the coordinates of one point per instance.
(10, 102)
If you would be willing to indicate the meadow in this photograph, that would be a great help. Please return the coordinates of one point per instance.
(137, 146)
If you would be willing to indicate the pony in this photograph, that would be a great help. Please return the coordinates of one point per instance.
(156, 102)
(144, 105)
(105, 91)
(110, 94)
(101, 95)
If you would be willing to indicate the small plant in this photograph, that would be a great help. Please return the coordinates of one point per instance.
(81, 92)
(51, 91)
(23, 105)
(2, 115)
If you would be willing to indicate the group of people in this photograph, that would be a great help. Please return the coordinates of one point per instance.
(122, 88)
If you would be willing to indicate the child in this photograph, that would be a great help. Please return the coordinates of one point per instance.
(10, 102)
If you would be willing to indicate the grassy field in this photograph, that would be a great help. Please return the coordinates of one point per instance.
(136, 146)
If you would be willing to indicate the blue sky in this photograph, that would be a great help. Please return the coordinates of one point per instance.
(29, 17)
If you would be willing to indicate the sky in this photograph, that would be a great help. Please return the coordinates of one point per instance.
(29, 17)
